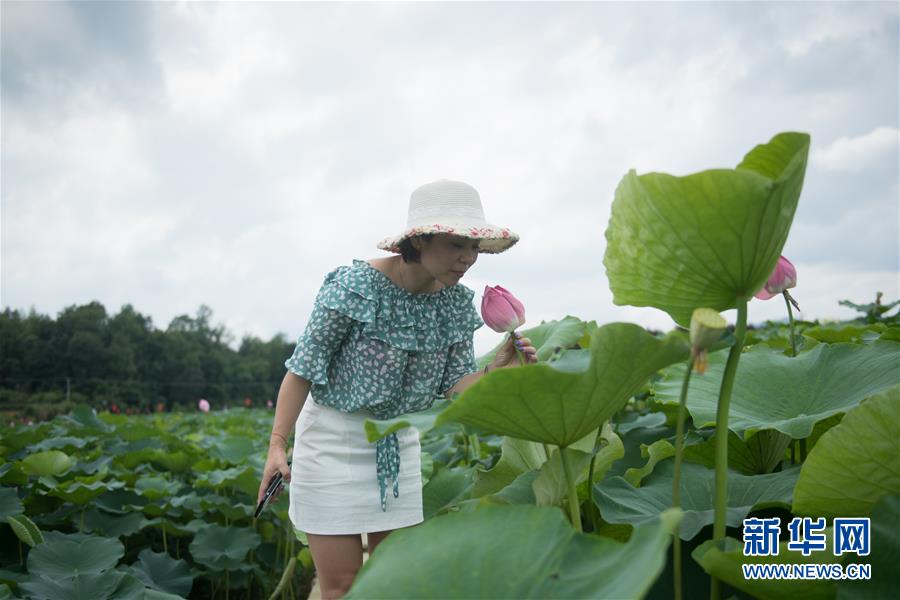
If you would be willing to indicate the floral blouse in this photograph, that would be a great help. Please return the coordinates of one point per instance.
(371, 344)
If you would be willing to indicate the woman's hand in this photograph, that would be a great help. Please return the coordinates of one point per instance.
(276, 461)
(507, 355)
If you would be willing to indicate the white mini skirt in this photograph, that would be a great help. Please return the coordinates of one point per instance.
(334, 488)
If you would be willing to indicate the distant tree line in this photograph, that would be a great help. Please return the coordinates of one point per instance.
(123, 363)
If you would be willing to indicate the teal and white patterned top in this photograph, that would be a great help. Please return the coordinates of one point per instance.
(371, 344)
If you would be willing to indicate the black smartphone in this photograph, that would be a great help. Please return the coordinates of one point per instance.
(275, 484)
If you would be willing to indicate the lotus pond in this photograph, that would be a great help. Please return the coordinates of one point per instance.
(579, 477)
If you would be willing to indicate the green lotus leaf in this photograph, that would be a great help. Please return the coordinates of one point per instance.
(5, 592)
(550, 486)
(707, 239)
(423, 421)
(163, 573)
(758, 455)
(885, 555)
(655, 452)
(112, 525)
(85, 416)
(551, 339)
(482, 553)
(446, 488)
(67, 555)
(61, 442)
(49, 462)
(620, 502)
(519, 491)
(25, 530)
(81, 492)
(233, 449)
(725, 564)
(854, 463)
(155, 487)
(10, 504)
(842, 332)
(541, 404)
(12, 474)
(790, 394)
(84, 586)
(516, 458)
(223, 548)
(120, 501)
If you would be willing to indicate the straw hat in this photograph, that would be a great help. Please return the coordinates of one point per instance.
(451, 207)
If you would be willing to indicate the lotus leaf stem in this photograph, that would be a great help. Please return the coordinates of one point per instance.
(676, 476)
(721, 494)
(592, 507)
(574, 510)
(286, 576)
(803, 450)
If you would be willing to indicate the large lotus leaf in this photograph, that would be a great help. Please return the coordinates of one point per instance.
(156, 487)
(49, 462)
(67, 555)
(884, 558)
(655, 452)
(83, 491)
(790, 394)
(223, 548)
(84, 586)
(726, 565)
(233, 449)
(538, 403)
(620, 502)
(513, 552)
(161, 572)
(707, 239)
(855, 463)
(111, 525)
(120, 501)
(62, 442)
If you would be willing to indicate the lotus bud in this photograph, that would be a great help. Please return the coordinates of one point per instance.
(501, 311)
(203, 405)
(707, 327)
(782, 278)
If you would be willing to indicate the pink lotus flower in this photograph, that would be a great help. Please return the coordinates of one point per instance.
(500, 310)
(203, 405)
(782, 278)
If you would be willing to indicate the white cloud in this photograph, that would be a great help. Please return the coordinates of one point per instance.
(854, 154)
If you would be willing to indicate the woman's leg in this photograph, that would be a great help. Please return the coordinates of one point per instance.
(337, 558)
(376, 537)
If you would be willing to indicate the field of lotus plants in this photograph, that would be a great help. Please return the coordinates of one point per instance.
(623, 465)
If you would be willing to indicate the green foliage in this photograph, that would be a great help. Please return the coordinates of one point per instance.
(855, 463)
(513, 552)
(707, 239)
(89, 356)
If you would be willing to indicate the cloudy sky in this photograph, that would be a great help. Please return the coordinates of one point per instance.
(170, 155)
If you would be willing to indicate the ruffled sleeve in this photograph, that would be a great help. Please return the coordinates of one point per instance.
(460, 362)
(339, 302)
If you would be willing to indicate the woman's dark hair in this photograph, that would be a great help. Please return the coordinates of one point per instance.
(408, 252)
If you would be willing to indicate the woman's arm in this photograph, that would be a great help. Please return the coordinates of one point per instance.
(291, 398)
(505, 357)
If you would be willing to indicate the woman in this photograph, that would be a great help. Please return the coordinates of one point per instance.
(386, 337)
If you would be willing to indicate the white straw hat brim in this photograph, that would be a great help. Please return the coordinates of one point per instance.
(494, 239)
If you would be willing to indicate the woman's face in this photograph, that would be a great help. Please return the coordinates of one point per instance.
(447, 257)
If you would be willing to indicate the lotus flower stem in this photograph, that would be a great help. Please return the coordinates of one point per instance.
(787, 301)
(574, 511)
(721, 497)
(676, 477)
